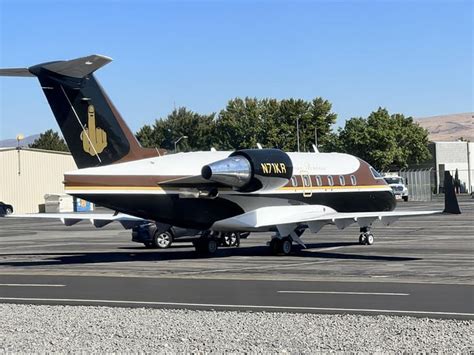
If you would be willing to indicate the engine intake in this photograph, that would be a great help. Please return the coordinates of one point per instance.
(250, 170)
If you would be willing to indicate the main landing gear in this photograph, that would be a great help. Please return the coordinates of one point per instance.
(281, 246)
(210, 241)
(366, 237)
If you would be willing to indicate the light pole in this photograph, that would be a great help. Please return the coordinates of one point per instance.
(177, 141)
(19, 137)
(298, 132)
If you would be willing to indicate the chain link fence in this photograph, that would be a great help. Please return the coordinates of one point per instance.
(420, 184)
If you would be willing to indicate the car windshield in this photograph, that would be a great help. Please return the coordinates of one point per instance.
(393, 180)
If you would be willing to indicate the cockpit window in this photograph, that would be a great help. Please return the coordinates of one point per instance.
(375, 173)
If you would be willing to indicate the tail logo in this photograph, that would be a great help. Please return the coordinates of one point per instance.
(94, 139)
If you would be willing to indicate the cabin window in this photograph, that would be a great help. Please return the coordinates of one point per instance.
(318, 181)
(306, 180)
(375, 173)
(342, 180)
(330, 180)
(353, 180)
(294, 181)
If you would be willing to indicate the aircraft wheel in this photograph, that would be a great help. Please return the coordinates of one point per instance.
(285, 246)
(369, 239)
(275, 246)
(362, 239)
(207, 246)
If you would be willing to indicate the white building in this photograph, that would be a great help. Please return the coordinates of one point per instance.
(26, 175)
(449, 156)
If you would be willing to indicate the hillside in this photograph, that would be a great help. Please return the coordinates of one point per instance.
(13, 142)
(449, 127)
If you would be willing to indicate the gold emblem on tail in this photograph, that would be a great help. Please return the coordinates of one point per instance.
(94, 139)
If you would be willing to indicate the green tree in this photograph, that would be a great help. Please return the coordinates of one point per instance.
(383, 140)
(50, 140)
(181, 122)
(273, 123)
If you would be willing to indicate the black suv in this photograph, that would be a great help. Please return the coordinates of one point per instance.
(5, 209)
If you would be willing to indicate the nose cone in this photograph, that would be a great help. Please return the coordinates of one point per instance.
(233, 171)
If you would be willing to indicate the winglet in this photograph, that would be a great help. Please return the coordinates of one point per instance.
(450, 200)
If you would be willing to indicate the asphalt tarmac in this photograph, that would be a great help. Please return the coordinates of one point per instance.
(422, 266)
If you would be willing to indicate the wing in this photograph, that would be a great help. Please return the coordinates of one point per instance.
(97, 219)
(287, 218)
(314, 216)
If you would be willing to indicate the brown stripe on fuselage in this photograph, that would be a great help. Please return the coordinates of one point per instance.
(363, 177)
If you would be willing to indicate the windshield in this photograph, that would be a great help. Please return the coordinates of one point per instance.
(393, 180)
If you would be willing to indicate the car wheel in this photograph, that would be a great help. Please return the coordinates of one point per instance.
(163, 240)
(8, 210)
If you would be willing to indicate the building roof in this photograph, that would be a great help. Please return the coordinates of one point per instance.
(6, 149)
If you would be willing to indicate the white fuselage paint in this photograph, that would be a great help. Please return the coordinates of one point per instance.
(190, 164)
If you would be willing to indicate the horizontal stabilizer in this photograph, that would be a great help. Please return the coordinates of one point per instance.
(77, 68)
(15, 72)
(99, 220)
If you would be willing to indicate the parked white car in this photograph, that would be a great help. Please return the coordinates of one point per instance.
(398, 186)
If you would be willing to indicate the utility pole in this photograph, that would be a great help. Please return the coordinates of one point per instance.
(298, 132)
(19, 137)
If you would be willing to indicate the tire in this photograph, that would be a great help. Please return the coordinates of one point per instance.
(8, 211)
(275, 246)
(362, 239)
(285, 246)
(163, 240)
(207, 246)
(369, 239)
(405, 198)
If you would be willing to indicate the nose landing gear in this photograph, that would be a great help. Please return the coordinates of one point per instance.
(366, 237)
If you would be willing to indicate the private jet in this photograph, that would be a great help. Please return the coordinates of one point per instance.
(215, 192)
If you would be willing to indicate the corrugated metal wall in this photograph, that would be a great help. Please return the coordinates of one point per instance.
(41, 172)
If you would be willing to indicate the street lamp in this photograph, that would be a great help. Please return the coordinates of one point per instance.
(298, 132)
(19, 138)
(177, 141)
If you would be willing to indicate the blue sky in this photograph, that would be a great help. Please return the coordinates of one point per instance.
(413, 57)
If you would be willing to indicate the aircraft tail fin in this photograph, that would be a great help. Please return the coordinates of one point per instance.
(450, 200)
(94, 130)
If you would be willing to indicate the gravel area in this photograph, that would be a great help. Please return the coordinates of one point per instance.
(39, 329)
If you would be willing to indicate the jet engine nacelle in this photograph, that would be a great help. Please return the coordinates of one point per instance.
(250, 170)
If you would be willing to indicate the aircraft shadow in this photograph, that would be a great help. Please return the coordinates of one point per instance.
(143, 254)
